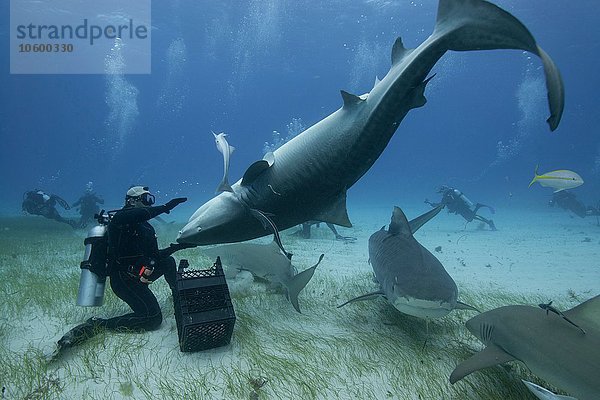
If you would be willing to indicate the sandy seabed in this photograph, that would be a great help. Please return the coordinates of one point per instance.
(361, 351)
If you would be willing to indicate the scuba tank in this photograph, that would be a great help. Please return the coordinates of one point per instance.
(93, 266)
(463, 198)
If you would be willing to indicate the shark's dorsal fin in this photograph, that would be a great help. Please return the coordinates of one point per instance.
(488, 357)
(421, 220)
(350, 100)
(337, 213)
(399, 224)
(367, 296)
(586, 313)
(254, 170)
(399, 51)
(377, 80)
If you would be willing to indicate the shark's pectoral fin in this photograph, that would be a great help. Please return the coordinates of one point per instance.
(254, 171)
(337, 213)
(298, 283)
(368, 296)
(488, 357)
(464, 306)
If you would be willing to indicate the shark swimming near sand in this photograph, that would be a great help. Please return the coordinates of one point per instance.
(411, 278)
(307, 178)
(266, 261)
(561, 348)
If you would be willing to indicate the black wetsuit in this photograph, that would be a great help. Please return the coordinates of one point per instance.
(568, 201)
(132, 244)
(88, 207)
(457, 203)
(34, 203)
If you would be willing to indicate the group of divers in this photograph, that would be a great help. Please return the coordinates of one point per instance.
(38, 202)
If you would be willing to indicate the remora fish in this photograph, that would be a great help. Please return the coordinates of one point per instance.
(549, 345)
(558, 180)
(266, 261)
(226, 150)
(411, 278)
(307, 178)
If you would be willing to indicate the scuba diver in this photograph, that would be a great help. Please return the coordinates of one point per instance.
(459, 204)
(133, 261)
(88, 205)
(568, 201)
(304, 232)
(36, 202)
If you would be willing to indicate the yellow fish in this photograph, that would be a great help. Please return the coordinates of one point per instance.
(558, 180)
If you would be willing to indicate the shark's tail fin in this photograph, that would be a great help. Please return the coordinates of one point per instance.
(466, 25)
(224, 186)
(535, 176)
(299, 282)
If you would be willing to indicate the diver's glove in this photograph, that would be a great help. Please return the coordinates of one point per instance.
(171, 204)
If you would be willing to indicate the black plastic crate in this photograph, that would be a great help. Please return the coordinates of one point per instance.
(203, 310)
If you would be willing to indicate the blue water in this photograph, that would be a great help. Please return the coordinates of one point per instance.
(250, 68)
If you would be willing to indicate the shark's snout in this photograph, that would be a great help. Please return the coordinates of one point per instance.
(223, 219)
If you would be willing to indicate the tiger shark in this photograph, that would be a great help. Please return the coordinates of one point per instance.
(307, 178)
(411, 278)
(562, 348)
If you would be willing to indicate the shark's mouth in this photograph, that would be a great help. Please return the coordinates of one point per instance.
(422, 308)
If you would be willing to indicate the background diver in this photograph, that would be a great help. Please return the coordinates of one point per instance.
(456, 202)
(133, 262)
(36, 202)
(568, 201)
(88, 205)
